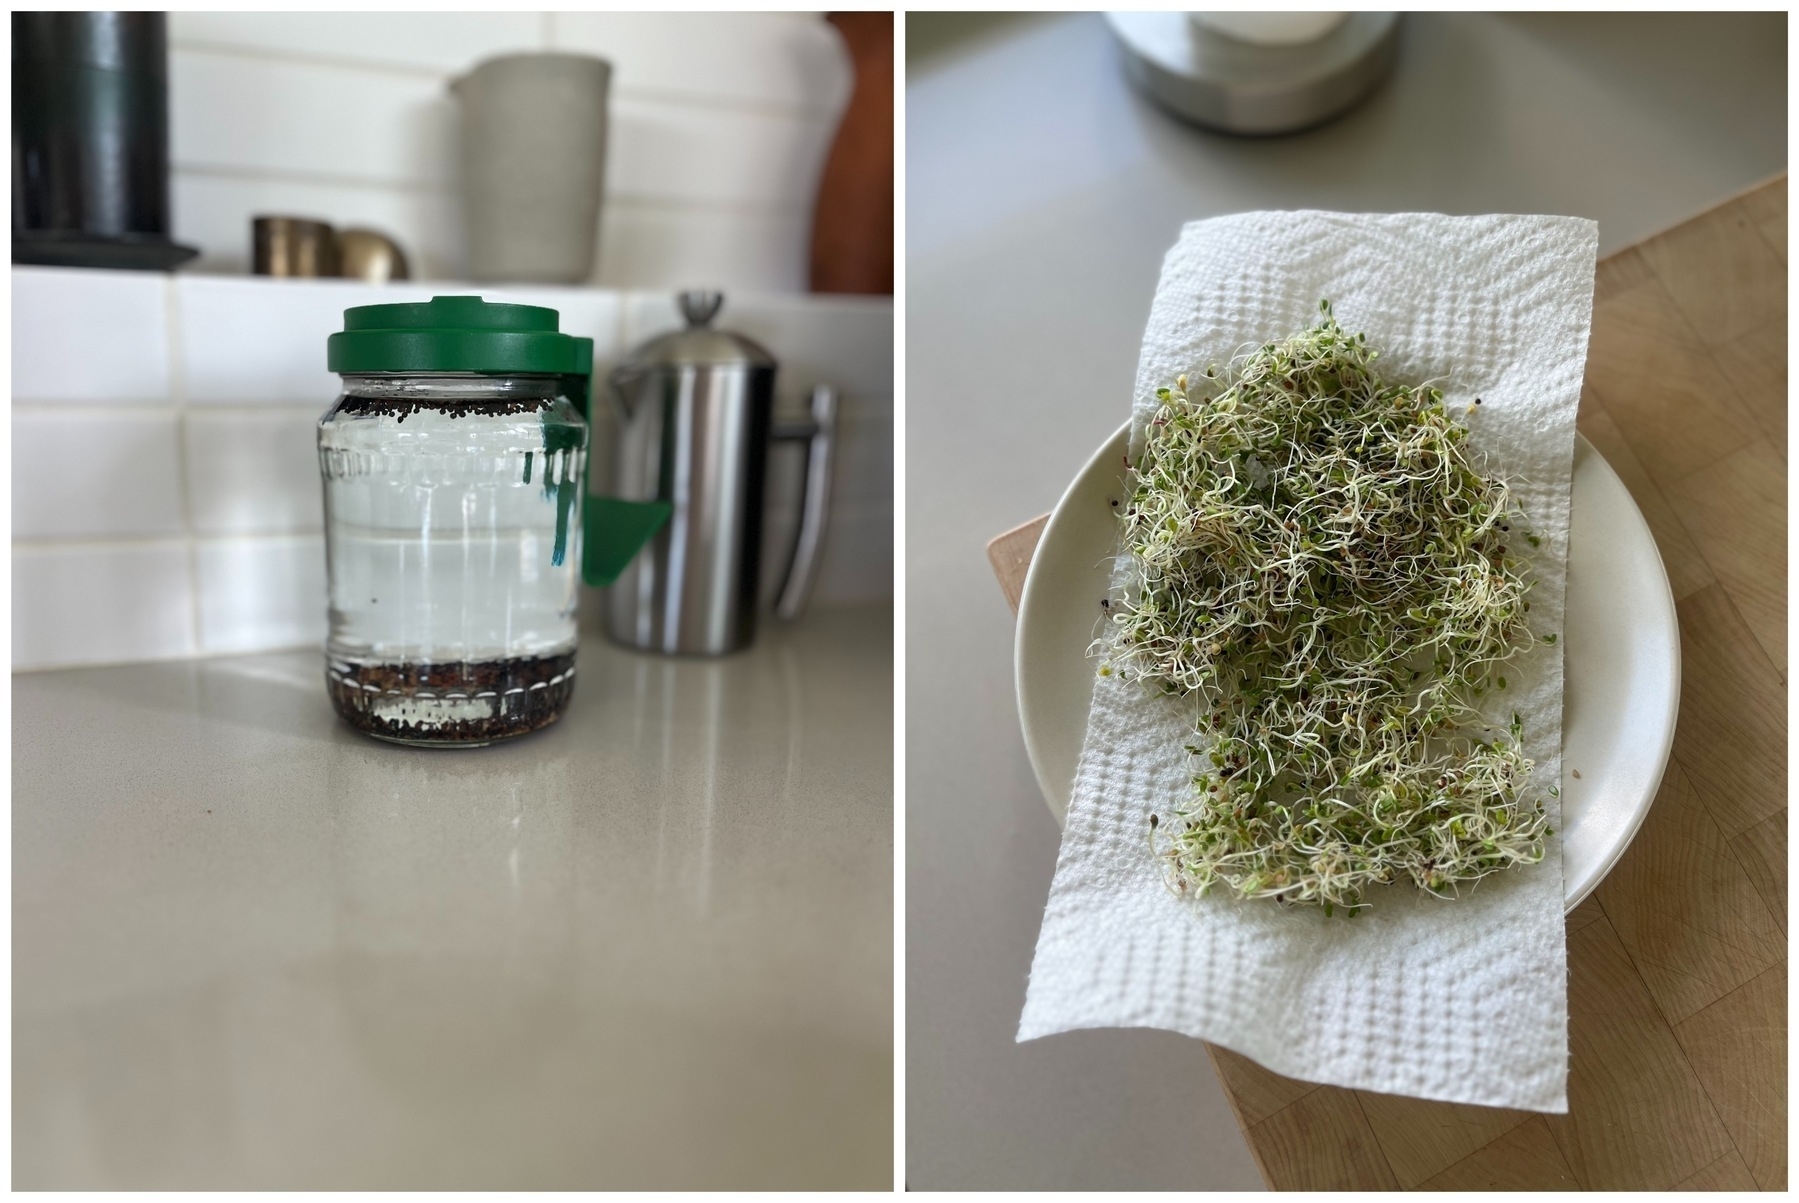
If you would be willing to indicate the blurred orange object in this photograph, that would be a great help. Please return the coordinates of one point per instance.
(852, 226)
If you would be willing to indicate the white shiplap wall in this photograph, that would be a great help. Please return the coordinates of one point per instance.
(165, 487)
(718, 130)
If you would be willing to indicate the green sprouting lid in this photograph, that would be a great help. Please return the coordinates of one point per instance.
(456, 334)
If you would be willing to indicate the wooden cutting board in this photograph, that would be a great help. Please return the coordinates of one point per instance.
(1677, 964)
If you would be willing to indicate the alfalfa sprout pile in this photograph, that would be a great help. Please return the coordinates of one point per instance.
(1333, 576)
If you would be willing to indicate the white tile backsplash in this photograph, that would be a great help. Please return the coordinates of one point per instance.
(718, 129)
(261, 593)
(80, 472)
(790, 60)
(254, 471)
(89, 335)
(649, 244)
(256, 340)
(688, 154)
(351, 125)
(864, 469)
(858, 549)
(236, 431)
(777, 59)
(105, 604)
(446, 41)
(255, 114)
(858, 558)
(862, 474)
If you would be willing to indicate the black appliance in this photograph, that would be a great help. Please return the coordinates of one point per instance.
(90, 141)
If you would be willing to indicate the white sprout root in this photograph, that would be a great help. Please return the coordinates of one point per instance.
(1327, 570)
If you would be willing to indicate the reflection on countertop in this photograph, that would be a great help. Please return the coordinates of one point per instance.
(648, 947)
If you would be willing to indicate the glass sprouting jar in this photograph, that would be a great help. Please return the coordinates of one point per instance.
(453, 469)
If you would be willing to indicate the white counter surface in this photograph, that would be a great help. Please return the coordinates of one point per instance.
(649, 946)
(1042, 193)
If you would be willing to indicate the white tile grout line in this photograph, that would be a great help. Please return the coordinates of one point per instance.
(100, 543)
(104, 543)
(447, 190)
(178, 394)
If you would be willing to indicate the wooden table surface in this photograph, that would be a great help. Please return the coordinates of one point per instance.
(1677, 964)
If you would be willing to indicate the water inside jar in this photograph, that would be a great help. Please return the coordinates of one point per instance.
(453, 531)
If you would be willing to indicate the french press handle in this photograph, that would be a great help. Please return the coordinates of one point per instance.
(819, 433)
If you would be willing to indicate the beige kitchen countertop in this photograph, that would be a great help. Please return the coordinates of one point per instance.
(651, 946)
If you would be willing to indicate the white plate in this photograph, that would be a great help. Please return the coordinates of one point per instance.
(1621, 643)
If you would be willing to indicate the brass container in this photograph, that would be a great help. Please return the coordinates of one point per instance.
(293, 246)
(371, 256)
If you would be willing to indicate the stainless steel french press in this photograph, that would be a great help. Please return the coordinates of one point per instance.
(696, 418)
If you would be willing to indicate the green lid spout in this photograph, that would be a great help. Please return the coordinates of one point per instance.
(615, 531)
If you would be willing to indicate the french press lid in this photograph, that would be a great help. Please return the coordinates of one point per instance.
(699, 344)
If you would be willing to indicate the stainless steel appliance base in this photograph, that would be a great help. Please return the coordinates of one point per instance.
(1237, 87)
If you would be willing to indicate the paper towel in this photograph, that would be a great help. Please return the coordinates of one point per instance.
(1463, 1001)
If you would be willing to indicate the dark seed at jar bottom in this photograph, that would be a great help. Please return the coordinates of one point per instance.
(461, 703)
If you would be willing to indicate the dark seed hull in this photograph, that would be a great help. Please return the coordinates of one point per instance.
(402, 408)
(451, 705)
